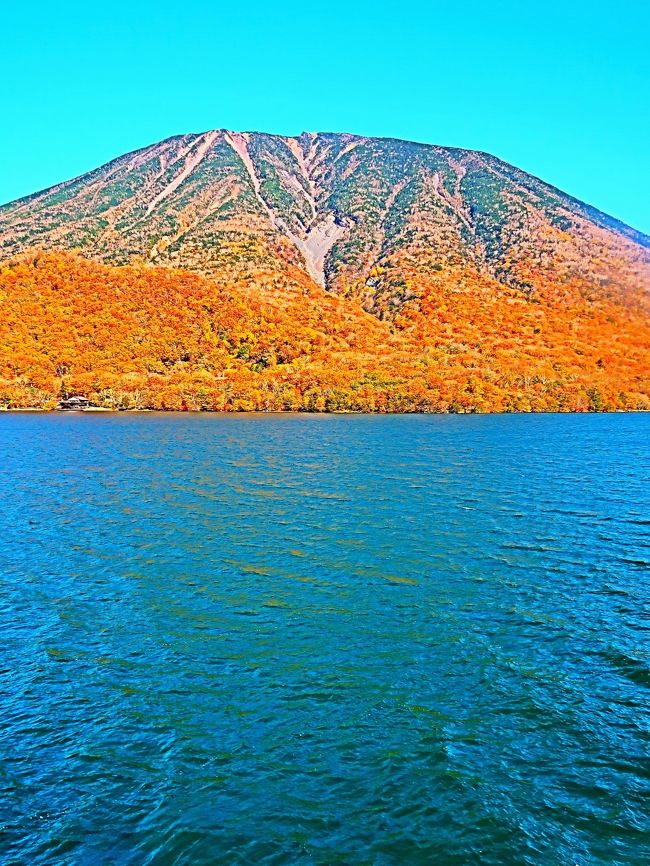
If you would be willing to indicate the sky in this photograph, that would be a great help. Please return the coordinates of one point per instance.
(560, 89)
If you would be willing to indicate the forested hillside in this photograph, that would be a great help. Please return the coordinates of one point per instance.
(249, 271)
(137, 337)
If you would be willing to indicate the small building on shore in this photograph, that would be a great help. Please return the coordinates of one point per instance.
(74, 404)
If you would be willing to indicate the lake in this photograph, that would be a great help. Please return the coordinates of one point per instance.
(278, 639)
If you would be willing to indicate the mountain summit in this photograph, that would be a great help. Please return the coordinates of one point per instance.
(432, 240)
(340, 206)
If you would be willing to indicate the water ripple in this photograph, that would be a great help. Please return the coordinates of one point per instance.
(298, 639)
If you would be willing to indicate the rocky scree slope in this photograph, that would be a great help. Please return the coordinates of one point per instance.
(361, 216)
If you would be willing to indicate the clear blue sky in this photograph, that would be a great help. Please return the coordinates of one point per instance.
(560, 89)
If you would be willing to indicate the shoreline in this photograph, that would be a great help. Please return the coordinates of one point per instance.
(100, 410)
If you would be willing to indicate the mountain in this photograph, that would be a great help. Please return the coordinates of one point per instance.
(464, 262)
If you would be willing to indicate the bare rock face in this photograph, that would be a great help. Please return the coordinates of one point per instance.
(361, 216)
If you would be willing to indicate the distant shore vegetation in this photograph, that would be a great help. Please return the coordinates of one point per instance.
(140, 337)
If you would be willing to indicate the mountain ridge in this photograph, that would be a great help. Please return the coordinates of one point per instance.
(492, 290)
(618, 224)
(343, 207)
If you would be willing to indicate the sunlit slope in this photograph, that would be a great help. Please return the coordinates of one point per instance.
(359, 215)
(150, 337)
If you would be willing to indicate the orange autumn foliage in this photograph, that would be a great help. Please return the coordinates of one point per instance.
(139, 337)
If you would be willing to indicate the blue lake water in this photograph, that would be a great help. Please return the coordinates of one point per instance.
(324, 639)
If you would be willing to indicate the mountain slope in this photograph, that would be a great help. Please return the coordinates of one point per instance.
(145, 337)
(337, 205)
(486, 287)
